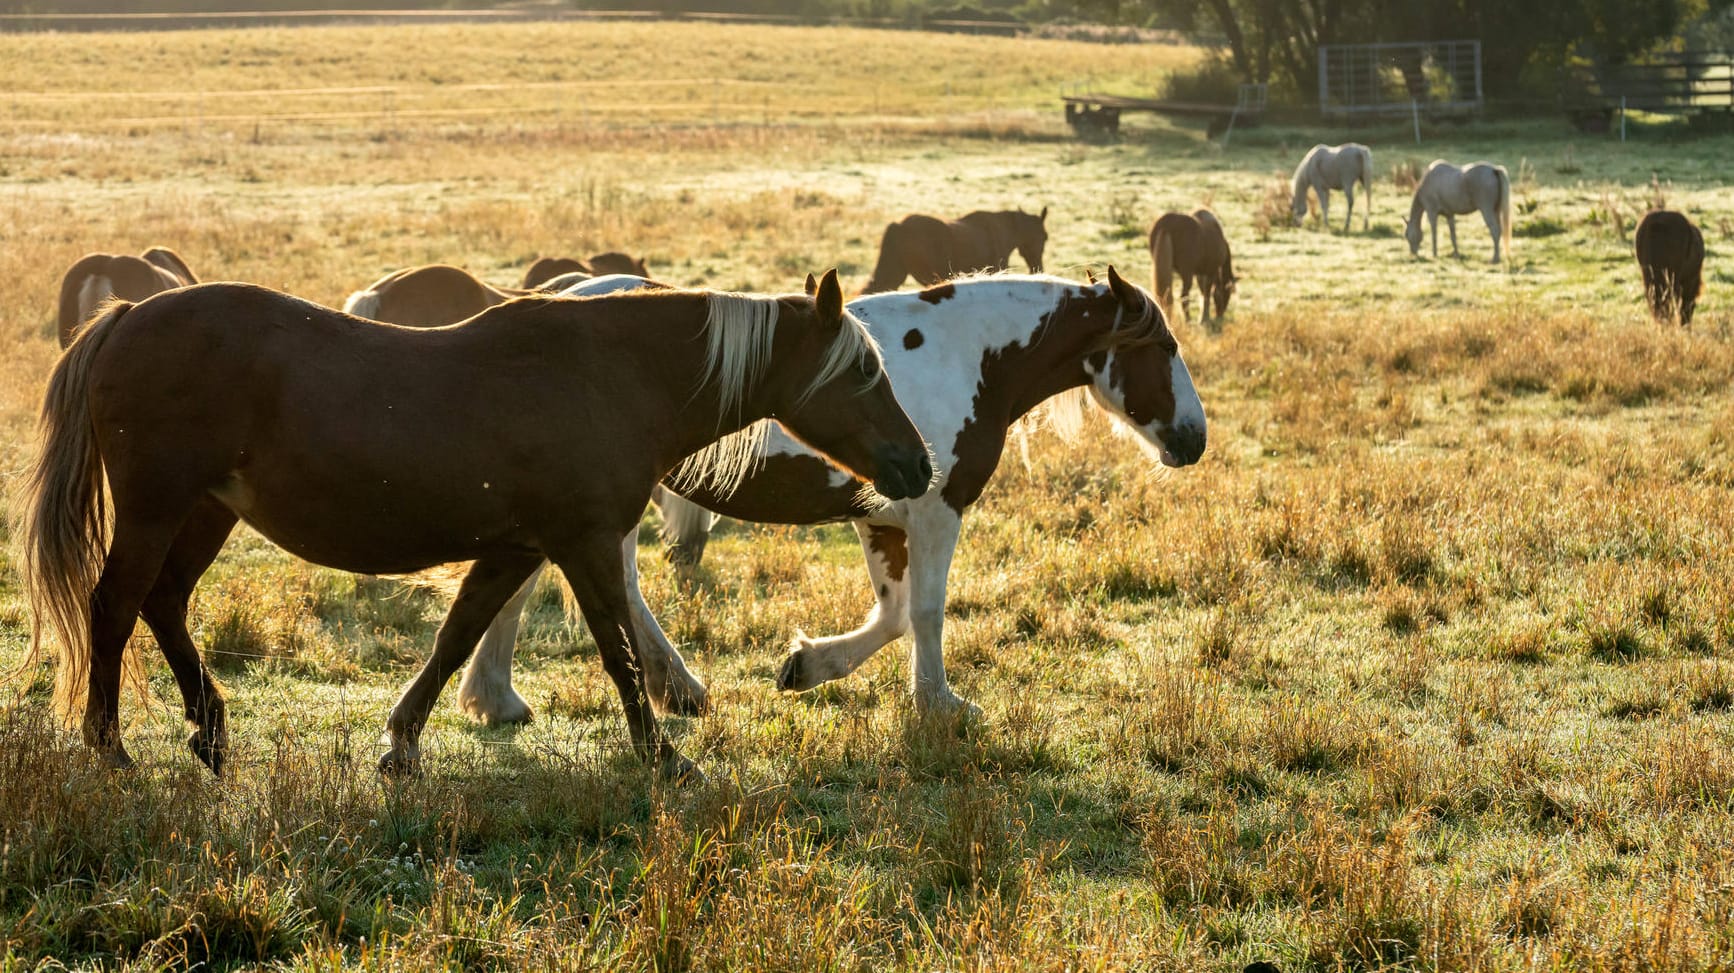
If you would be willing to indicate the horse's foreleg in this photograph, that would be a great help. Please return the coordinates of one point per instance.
(673, 687)
(1451, 224)
(165, 611)
(813, 662)
(1433, 224)
(486, 692)
(592, 565)
(135, 559)
(930, 553)
(1349, 197)
(1325, 209)
(486, 589)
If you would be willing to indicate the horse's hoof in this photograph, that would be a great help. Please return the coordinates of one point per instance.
(681, 772)
(212, 753)
(512, 711)
(791, 678)
(692, 699)
(116, 758)
(949, 706)
(399, 765)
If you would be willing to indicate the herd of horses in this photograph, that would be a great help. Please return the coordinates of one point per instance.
(179, 409)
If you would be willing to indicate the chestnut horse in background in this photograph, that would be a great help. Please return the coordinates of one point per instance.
(342, 441)
(932, 250)
(612, 262)
(430, 296)
(1192, 246)
(96, 277)
(1671, 256)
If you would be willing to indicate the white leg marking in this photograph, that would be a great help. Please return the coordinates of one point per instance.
(934, 529)
(672, 687)
(812, 662)
(486, 692)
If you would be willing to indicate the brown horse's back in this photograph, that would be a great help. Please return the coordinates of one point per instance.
(1670, 253)
(430, 296)
(297, 404)
(96, 277)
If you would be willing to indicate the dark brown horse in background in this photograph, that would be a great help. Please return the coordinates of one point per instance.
(1192, 245)
(1671, 257)
(612, 262)
(931, 250)
(96, 277)
(348, 443)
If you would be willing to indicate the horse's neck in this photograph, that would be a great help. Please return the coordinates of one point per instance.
(1418, 206)
(1049, 361)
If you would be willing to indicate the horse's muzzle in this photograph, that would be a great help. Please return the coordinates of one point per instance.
(901, 473)
(1182, 446)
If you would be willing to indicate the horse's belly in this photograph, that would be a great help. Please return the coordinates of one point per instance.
(370, 530)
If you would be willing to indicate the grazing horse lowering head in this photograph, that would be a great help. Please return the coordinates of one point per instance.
(1029, 236)
(1139, 376)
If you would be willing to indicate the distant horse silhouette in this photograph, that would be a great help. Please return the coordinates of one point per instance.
(932, 250)
(1671, 256)
(1192, 246)
(612, 262)
(96, 277)
(1329, 167)
(998, 345)
(1454, 190)
(429, 296)
(343, 441)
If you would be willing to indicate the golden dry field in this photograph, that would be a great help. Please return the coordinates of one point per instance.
(1429, 664)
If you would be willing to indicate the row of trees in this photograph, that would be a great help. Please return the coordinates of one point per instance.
(1276, 41)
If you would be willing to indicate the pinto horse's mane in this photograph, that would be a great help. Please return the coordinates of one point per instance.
(739, 331)
(1063, 415)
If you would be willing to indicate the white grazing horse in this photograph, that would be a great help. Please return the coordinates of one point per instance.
(1451, 190)
(1329, 167)
(966, 358)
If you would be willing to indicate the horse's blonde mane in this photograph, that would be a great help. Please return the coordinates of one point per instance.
(740, 330)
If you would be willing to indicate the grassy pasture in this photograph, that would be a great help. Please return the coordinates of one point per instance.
(1428, 665)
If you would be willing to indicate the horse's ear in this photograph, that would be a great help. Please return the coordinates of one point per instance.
(1044, 216)
(828, 299)
(1126, 293)
(812, 285)
(1091, 274)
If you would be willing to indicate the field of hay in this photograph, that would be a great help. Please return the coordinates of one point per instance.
(1427, 666)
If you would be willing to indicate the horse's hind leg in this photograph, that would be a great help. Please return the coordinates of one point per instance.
(592, 565)
(813, 662)
(165, 611)
(1451, 224)
(486, 691)
(486, 589)
(1491, 218)
(141, 543)
(1349, 196)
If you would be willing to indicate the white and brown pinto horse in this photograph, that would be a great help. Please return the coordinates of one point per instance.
(341, 440)
(96, 277)
(1329, 167)
(968, 359)
(1452, 190)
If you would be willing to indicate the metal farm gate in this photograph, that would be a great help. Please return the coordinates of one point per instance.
(1433, 78)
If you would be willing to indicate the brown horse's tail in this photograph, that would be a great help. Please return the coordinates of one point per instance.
(1162, 253)
(889, 272)
(66, 514)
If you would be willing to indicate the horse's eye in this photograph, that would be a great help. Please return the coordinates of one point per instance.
(870, 367)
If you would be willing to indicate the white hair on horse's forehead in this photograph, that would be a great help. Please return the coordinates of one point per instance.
(740, 330)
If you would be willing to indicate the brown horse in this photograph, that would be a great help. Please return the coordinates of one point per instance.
(96, 277)
(931, 250)
(1192, 246)
(537, 429)
(429, 296)
(1671, 257)
(612, 262)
